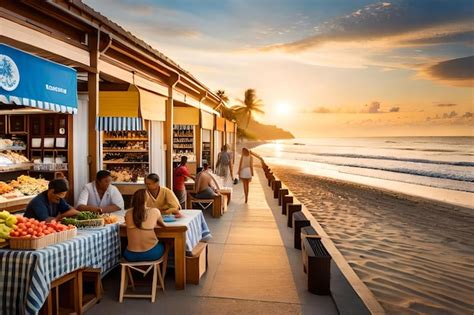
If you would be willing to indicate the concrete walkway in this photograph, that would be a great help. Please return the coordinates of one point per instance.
(253, 268)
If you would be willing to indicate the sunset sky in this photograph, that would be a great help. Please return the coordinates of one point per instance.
(344, 68)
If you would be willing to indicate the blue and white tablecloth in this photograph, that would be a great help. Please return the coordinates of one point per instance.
(197, 227)
(27, 275)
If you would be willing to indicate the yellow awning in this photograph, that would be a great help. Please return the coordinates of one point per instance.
(229, 126)
(185, 115)
(152, 106)
(132, 103)
(207, 120)
(220, 123)
(119, 103)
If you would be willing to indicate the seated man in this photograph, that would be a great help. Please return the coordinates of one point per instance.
(50, 205)
(101, 197)
(206, 184)
(160, 197)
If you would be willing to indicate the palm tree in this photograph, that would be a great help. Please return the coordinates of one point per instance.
(226, 112)
(249, 106)
(222, 95)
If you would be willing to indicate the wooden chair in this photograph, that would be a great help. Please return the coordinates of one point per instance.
(143, 267)
(216, 203)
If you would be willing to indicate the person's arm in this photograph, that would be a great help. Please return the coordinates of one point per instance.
(215, 182)
(172, 201)
(251, 165)
(69, 213)
(240, 165)
(159, 220)
(117, 202)
(218, 160)
(231, 167)
(186, 174)
(82, 202)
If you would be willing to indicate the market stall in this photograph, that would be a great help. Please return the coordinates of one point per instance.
(207, 128)
(219, 139)
(37, 98)
(230, 137)
(129, 121)
(185, 128)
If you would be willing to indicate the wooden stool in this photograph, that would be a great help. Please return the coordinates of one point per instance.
(144, 267)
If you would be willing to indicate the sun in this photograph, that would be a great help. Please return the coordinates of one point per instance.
(282, 109)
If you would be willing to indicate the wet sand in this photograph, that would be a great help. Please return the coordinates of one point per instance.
(416, 255)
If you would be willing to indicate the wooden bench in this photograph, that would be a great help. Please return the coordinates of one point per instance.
(318, 265)
(217, 203)
(196, 264)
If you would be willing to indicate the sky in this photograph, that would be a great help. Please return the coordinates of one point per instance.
(323, 68)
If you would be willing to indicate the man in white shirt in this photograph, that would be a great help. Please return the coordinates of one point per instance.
(101, 197)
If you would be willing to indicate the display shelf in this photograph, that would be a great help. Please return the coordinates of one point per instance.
(124, 151)
(111, 162)
(125, 139)
(16, 167)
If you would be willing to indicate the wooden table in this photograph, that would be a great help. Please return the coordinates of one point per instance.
(178, 234)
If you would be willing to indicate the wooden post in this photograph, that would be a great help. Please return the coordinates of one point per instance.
(168, 132)
(285, 200)
(281, 193)
(93, 92)
(291, 208)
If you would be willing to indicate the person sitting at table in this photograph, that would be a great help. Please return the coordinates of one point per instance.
(160, 197)
(206, 185)
(50, 205)
(143, 245)
(101, 197)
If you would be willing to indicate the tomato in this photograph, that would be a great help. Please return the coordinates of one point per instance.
(30, 230)
(14, 234)
(23, 233)
(21, 226)
(40, 234)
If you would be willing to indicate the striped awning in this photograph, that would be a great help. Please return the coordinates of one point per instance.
(119, 124)
(23, 101)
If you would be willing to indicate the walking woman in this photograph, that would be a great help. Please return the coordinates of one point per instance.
(246, 171)
(224, 167)
(143, 245)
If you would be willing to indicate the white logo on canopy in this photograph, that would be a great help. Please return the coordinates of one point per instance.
(9, 74)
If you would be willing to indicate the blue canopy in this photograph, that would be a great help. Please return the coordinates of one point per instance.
(28, 80)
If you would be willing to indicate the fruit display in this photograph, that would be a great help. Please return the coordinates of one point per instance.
(5, 188)
(110, 219)
(7, 225)
(29, 186)
(85, 219)
(32, 228)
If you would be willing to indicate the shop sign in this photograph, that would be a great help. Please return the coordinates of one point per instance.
(32, 81)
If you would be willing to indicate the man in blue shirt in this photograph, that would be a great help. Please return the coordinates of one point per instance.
(50, 205)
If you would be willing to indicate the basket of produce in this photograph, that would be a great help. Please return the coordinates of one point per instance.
(85, 219)
(33, 234)
(7, 224)
(110, 218)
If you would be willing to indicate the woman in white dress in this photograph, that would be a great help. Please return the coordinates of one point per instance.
(246, 171)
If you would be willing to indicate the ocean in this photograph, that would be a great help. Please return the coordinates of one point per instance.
(439, 168)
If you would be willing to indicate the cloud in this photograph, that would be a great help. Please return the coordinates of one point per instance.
(446, 105)
(450, 115)
(373, 108)
(394, 110)
(384, 19)
(451, 118)
(322, 110)
(466, 36)
(457, 72)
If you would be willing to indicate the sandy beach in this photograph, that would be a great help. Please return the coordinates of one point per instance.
(416, 255)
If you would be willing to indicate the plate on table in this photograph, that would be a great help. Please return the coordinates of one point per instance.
(169, 218)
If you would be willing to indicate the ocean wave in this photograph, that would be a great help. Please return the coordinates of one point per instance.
(387, 158)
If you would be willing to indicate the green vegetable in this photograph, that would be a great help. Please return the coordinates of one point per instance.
(87, 215)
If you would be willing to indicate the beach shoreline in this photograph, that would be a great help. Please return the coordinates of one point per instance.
(414, 254)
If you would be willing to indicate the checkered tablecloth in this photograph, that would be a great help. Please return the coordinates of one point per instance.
(27, 275)
(197, 227)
